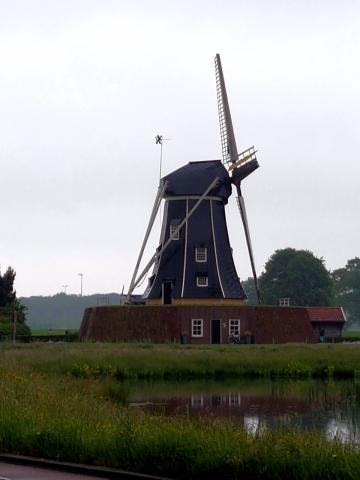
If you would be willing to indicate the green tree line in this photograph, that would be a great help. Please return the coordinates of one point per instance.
(11, 306)
(289, 273)
(303, 278)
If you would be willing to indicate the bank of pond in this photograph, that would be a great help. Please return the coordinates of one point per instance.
(68, 402)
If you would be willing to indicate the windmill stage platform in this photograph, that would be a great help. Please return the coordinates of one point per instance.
(206, 324)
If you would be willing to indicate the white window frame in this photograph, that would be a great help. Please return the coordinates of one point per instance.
(284, 302)
(206, 282)
(200, 254)
(195, 324)
(173, 228)
(232, 324)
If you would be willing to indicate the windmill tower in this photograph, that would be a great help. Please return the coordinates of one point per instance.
(193, 263)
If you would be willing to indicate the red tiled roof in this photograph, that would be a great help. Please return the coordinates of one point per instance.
(326, 314)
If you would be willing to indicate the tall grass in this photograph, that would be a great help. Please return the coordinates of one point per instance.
(68, 419)
(48, 411)
(181, 362)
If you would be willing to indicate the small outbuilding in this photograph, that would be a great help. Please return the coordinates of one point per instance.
(327, 322)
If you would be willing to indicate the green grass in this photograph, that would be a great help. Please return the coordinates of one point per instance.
(175, 362)
(53, 331)
(355, 334)
(48, 409)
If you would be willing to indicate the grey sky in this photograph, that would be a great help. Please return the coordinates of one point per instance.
(86, 85)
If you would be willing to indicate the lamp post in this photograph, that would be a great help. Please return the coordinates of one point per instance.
(65, 287)
(15, 315)
(81, 283)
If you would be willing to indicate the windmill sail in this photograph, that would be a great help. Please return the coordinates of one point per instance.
(240, 165)
(228, 143)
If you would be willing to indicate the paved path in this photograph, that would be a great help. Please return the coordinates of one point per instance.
(21, 472)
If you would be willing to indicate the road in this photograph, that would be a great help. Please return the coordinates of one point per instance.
(21, 472)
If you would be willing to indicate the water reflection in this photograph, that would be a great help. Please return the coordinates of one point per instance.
(331, 407)
(336, 430)
(251, 424)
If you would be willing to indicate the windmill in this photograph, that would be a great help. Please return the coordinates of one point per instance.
(193, 262)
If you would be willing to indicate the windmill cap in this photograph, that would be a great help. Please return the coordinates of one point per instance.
(242, 172)
(195, 177)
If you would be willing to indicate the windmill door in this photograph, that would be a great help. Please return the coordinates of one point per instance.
(215, 331)
(167, 292)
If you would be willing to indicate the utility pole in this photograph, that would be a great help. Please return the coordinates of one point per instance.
(64, 287)
(14, 325)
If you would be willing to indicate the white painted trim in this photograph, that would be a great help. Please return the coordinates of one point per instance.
(194, 197)
(197, 260)
(185, 250)
(202, 285)
(201, 325)
(162, 236)
(214, 241)
(235, 320)
(156, 206)
(181, 224)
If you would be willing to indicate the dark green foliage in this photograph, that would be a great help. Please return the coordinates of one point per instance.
(298, 275)
(7, 293)
(9, 303)
(347, 289)
(7, 329)
(249, 287)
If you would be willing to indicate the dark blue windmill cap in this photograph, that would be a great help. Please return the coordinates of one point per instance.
(195, 177)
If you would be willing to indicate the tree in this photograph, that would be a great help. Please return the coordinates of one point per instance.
(250, 290)
(7, 293)
(347, 289)
(8, 298)
(298, 275)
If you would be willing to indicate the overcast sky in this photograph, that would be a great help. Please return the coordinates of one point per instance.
(86, 85)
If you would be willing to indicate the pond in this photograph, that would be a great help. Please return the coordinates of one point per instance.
(332, 407)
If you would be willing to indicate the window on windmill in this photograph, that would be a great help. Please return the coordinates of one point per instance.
(201, 254)
(174, 230)
(234, 327)
(197, 327)
(202, 281)
(284, 302)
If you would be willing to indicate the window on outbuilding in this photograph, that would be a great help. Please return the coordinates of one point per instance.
(197, 327)
(234, 327)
